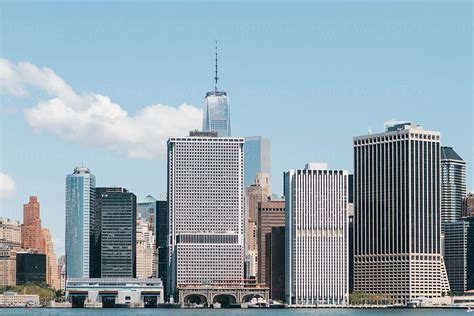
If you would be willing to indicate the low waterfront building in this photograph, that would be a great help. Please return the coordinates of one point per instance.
(13, 299)
(111, 292)
(223, 294)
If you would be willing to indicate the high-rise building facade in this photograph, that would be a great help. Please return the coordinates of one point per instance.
(275, 263)
(397, 214)
(30, 268)
(118, 210)
(453, 185)
(256, 158)
(62, 272)
(7, 265)
(350, 214)
(146, 250)
(162, 227)
(10, 232)
(316, 237)
(259, 191)
(146, 209)
(51, 264)
(459, 254)
(81, 226)
(206, 210)
(31, 235)
(216, 111)
(468, 205)
(270, 214)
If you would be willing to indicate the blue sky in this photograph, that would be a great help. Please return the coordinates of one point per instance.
(308, 75)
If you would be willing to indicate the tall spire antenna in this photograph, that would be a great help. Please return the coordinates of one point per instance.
(216, 77)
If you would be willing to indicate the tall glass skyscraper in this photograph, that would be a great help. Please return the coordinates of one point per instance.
(118, 209)
(216, 111)
(257, 158)
(81, 226)
(459, 254)
(453, 185)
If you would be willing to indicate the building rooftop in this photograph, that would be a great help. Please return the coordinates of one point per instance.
(392, 126)
(197, 133)
(147, 199)
(82, 169)
(448, 153)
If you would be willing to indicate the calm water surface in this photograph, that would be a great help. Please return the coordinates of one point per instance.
(231, 312)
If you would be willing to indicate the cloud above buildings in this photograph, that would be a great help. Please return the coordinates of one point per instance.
(94, 119)
(7, 186)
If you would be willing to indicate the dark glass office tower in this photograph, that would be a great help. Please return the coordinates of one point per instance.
(30, 268)
(162, 227)
(118, 210)
(397, 214)
(459, 254)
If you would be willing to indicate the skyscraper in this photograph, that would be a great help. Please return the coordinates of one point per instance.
(270, 214)
(206, 209)
(10, 232)
(51, 264)
(453, 185)
(275, 262)
(7, 265)
(459, 254)
(31, 235)
(118, 210)
(397, 214)
(146, 250)
(260, 191)
(81, 230)
(216, 110)
(30, 268)
(162, 227)
(256, 158)
(146, 209)
(468, 205)
(316, 268)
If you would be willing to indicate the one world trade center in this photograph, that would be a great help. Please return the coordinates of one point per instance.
(216, 111)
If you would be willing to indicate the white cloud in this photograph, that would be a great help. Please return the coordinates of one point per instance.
(7, 186)
(93, 119)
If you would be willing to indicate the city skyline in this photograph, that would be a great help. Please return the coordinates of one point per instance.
(308, 82)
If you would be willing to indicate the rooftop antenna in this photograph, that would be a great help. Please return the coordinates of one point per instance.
(216, 77)
(370, 130)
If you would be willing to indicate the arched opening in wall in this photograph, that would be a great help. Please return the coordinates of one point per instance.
(195, 299)
(225, 300)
